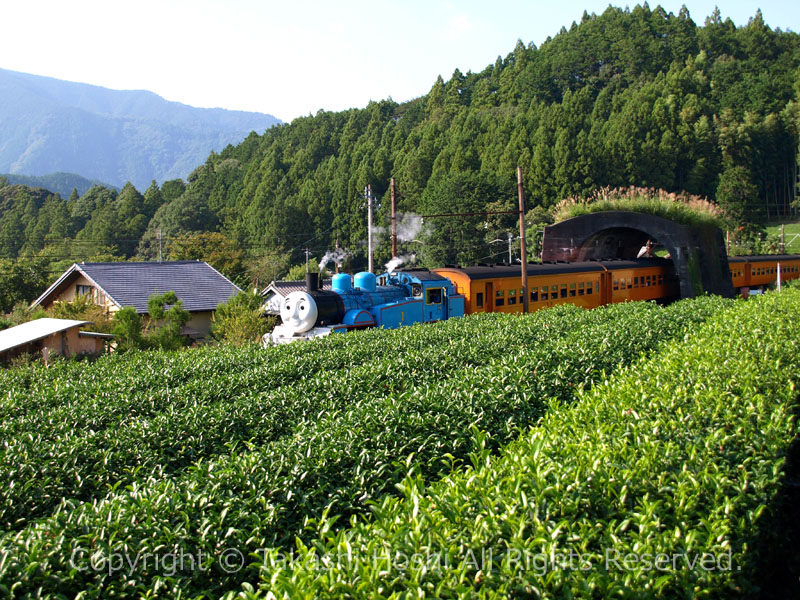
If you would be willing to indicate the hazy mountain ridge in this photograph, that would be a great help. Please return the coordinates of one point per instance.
(57, 183)
(49, 125)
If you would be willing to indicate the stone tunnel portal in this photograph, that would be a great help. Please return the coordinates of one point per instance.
(698, 253)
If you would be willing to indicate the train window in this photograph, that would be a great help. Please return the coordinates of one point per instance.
(534, 295)
(597, 287)
(416, 290)
(382, 280)
(544, 293)
(628, 283)
(616, 284)
(571, 289)
(512, 300)
(479, 300)
(660, 280)
(581, 289)
(563, 291)
(635, 282)
(499, 302)
(434, 296)
(500, 293)
(589, 289)
(512, 293)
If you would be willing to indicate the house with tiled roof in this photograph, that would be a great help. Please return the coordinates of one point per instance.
(115, 285)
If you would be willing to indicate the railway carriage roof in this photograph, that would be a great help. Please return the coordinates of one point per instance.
(534, 269)
(764, 258)
(422, 275)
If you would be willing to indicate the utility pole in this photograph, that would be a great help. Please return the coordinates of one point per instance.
(394, 221)
(308, 252)
(368, 194)
(523, 250)
(783, 239)
(158, 235)
(510, 258)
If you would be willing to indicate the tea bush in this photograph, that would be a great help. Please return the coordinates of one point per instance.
(654, 484)
(423, 406)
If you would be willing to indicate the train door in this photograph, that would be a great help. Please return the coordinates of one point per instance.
(489, 298)
(605, 287)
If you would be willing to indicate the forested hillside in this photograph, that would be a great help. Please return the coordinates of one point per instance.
(631, 97)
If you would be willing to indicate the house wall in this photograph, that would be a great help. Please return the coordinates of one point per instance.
(72, 343)
(200, 321)
(69, 294)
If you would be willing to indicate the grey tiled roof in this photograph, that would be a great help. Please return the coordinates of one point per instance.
(197, 284)
(287, 287)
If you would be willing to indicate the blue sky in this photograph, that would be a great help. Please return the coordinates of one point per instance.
(294, 57)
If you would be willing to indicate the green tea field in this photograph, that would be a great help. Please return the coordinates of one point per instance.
(633, 450)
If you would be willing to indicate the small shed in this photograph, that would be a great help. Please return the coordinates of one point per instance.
(277, 291)
(63, 337)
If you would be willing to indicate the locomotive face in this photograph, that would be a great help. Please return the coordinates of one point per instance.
(299, 311)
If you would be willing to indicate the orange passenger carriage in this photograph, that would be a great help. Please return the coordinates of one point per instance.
(498, 288)
(754, 274)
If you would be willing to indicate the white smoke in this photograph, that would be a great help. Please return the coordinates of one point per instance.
(337, 257)
(399, 260)
(408, 227)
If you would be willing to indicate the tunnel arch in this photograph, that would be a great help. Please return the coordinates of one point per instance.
(698, 252)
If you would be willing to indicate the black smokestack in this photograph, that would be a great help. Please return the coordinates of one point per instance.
(312, 282)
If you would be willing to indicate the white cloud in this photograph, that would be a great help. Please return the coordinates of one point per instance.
(458, 27)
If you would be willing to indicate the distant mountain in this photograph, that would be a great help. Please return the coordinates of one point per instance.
(48, 125)
(58, 183)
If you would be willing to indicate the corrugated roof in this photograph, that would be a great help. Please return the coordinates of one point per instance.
(200, 286)
(287, 287)
(35, 330)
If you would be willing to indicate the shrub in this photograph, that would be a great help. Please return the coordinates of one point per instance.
(241, 320)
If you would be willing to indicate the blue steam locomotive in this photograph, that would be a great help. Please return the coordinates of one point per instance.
(390, 300)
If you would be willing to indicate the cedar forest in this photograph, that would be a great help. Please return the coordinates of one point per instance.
(636, 97)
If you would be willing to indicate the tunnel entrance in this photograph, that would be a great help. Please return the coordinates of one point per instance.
(698, 253)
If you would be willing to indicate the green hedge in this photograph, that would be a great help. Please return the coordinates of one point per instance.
(674, 462)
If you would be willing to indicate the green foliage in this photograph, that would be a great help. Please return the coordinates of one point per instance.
(21, 280)
(127, 329)
(218, 250)
(461, 240)
(630, 97)
(298, 272)
(735, 193)
(83, 308)
(165, 324)
(657, 483)
(681, 208)
(241, 319)
(248, 448)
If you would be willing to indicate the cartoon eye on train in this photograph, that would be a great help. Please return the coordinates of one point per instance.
(396, 299)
